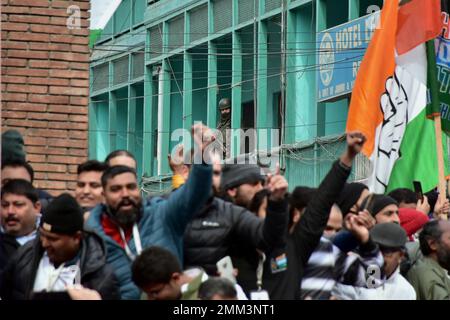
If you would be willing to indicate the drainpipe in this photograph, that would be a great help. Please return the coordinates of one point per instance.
(160, 73)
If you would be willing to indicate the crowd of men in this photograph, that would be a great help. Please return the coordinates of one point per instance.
(224, 231)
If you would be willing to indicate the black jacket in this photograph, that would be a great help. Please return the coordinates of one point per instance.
(220, 225)
(246, 259)
(3, 257)
(306, 236)
(20, 273)
(8, 246)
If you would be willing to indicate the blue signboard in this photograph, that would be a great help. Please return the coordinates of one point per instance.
(340, 53)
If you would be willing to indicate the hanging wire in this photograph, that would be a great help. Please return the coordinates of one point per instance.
(291, 53)
(231, 85)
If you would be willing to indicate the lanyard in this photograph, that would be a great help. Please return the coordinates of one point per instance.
(260, 270)
(137, 242)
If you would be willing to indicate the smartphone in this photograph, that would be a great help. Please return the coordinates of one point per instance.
(418, 190)
(225, 269)
(368, 204)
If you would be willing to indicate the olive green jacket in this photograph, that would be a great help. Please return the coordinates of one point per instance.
(430, 280)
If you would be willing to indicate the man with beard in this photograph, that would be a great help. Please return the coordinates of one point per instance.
(129, 224)
(391, 238)
(429, 276)
(221, 225)
(240, 183)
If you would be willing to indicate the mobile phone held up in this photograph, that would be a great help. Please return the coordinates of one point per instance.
(418, 190)
(225, 269)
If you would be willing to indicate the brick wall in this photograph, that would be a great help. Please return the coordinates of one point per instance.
(45, 86)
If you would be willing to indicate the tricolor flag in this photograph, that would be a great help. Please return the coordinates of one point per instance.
(389, 99)
(443, 67)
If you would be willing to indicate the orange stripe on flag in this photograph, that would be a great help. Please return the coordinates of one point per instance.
(418, 22)
(377, 66)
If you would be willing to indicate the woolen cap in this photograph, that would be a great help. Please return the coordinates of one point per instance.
(412, 220)
(12, 146)
(234, 175)
(63, 215)
(349, 196)
(380, 202)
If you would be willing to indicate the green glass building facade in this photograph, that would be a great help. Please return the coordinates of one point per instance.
(162, 66)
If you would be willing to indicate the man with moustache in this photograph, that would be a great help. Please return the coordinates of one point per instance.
(429, 276)
(63, 255)
(129, 224)
(20, 212)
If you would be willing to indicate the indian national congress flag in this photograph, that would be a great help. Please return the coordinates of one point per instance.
(390, 97)
(442, 47)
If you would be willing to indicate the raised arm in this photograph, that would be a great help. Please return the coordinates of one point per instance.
(356, 269)
(271, 231)
(308, 231)
(262, 234)
(184, 202)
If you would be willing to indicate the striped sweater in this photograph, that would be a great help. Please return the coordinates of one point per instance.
(328, 265)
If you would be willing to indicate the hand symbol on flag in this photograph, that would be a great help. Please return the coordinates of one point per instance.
(394, 106)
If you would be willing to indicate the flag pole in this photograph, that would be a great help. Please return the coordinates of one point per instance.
(440, 154)
(435, 105)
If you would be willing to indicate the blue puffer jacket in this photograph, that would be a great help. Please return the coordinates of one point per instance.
(162, 224)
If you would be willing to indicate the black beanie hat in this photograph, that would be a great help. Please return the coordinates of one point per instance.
(233, 175)
(301, 196)
(378, 203)
(349, 196)
(63, 215)
(12, 146)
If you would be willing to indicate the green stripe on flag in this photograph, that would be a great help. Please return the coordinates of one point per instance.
(438, 80)
(418, 159)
